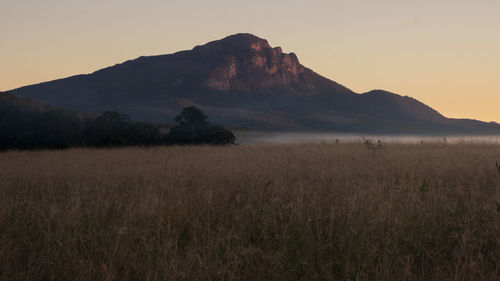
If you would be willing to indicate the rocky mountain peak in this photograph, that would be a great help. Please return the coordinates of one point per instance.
(243, 57)
(240, 41)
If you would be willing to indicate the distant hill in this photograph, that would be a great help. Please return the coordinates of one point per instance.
(13, 103)
(29, 124)
(241, 81)
(26, 124)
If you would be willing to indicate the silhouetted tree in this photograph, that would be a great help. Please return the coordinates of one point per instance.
(109, 129)
(193, 128)
(191, 116)
(116, 129)
(17, 127)
(59, 129)
(111, 117)
(143, 134)
(25, 125)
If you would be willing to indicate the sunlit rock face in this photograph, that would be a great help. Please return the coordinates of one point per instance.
(246, 56)
(220, 77)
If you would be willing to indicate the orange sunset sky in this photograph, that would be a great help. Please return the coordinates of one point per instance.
(444, 53)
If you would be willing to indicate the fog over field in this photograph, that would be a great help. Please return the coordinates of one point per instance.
(301, 137)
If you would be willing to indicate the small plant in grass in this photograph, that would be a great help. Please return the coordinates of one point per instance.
(498, 167)
(368, 143)
(371, 145)
(380, 145)
(424, 187)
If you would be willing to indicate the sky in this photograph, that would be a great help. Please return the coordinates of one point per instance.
(444, 53)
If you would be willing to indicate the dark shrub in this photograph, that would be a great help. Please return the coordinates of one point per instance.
(116, 129)
(193, 128)
(59, 129)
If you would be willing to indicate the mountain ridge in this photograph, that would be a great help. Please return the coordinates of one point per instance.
(242, 81)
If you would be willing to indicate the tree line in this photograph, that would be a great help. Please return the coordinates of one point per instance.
(60, 129)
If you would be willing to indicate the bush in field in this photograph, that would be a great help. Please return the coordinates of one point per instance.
(59, 129)
(116, 129)
(193, 128)
(370, 144)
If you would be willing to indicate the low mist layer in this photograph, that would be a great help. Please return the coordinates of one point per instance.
(326, 137)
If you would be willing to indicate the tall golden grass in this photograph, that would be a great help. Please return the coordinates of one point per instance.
(261, 212)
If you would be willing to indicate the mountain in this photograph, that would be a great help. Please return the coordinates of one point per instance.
(241, 81)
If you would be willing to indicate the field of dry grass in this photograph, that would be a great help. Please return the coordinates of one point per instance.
(261, 212)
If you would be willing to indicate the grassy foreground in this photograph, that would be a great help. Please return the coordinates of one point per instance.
(263, 212)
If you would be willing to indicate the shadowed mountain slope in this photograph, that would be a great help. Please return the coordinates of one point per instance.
(242, 81)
